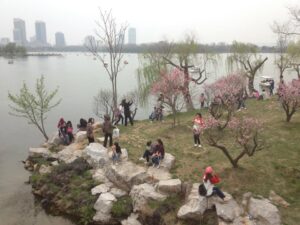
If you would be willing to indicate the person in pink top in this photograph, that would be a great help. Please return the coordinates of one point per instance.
(198, 124)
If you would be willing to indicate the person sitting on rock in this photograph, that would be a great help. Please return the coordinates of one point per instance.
(158, 154)
(90, 131)
(70, 131)
(82, 125)
(107, 129)
(148, 152)
(116, 156)
(62, 131)
(209, 181)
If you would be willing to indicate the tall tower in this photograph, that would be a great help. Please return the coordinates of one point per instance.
(132, 36)
(19, 32)
(40, 32)
(60, 39)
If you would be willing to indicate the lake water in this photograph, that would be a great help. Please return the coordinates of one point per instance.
(79, 78)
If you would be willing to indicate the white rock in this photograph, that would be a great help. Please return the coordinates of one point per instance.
(102, 188)
(96, 155)
(70, 153)
(126, 174)
(39, 152)
(229, 210)
(80, 136)
(55, 139)
(118, 192)
(45, 169)
(131, 220)
(169, 186)
(195, 205)
(99, 176)
(101, 139)
(140, 194)
(55, 163)
(103, 207)
(158, 174)
(168, 162)
(124, 155)
(264, 211)
(278, 200)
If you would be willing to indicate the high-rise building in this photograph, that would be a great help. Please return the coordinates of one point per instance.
(40, 33)
(90, 42)
(60, 39)
(132, 36)
(19, 32)
(4, 41)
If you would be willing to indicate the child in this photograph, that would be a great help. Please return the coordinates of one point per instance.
(202, 100)
(196, 132)
(116, 153)
(209, 181)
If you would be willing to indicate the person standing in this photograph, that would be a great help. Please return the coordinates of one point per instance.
(107, 129)
(70, 131)
(272, 86)
(202, 100)
(90, 131)
(127, 113)
(118, 115)
(62, 131)
(198, 124)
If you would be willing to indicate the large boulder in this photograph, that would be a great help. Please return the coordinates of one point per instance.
(238, 221)
(140, 195)
(158, 174)
(195, 205)
(118, 193)
(70, 153)
(169, 186)
(40, 152)
(126, 174)
(80, 136)
(55, 139)
(131, 220)
(228, 210)
(99, 176)
(102, 188)
(96, 155)
(278, 200)
(264, 211)
(168, 162)
(103, 207)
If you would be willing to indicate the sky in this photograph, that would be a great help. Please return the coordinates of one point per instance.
(154, 20)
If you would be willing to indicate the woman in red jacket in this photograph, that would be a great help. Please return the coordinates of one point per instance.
(209, 181)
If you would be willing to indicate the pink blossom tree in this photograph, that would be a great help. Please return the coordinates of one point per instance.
(225, 93)
(245, 134)
(290, 98)
(170, 86)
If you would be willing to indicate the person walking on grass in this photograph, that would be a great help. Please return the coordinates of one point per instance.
(209, 181)
(198, 124)
(107, 129)
(90, 131)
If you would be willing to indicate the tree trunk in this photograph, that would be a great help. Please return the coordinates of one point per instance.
(186, 91)
(174, 116)
(251, 84)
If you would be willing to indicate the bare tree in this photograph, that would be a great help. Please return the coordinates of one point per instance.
(244, 57)
(293, 51)
(103, 104)
(111, 41)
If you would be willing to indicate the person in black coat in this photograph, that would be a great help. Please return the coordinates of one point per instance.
(127, 113)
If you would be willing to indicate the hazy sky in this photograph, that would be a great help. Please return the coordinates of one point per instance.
(211, 20)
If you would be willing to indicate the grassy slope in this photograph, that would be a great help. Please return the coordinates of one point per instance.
(277, 167)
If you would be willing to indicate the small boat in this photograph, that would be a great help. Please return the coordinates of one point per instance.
(10, 61)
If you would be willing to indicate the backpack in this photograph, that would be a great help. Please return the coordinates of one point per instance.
(202, 190)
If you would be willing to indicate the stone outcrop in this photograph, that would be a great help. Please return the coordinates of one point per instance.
(118, 193)
(103, 207)
(126, 174)
(278, 200)
(158, 174)
(70, 153)
(264, 212)
(45, 169)
(169, 186)
(102, 188)
(96, 155)
(140, 195)
(54, 139)
(80, 136)
(40, 152)
(227, 211)
(168, 162)
(131, 220)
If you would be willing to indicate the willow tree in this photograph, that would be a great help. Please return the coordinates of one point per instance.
(293, 51)
(34, 106)
(110, 42)
(182, 56)
(245, 57)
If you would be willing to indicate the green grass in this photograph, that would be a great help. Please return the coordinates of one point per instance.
(276, 167)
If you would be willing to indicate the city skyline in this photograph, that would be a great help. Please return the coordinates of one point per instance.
(212, 22)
